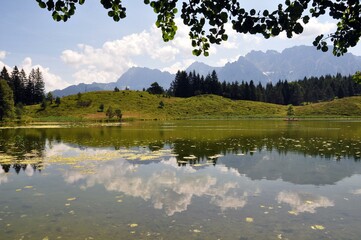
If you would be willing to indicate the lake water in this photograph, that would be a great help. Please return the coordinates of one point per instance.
(182, 180)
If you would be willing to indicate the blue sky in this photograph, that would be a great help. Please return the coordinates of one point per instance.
(91, 47)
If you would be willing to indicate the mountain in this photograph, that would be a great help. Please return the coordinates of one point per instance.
(82, 87)
(291, 64)
(137, 78)
(302, 61)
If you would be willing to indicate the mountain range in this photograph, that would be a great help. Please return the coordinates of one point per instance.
(291, 64)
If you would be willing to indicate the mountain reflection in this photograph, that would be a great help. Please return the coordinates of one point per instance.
(167, 186)
(304, 153)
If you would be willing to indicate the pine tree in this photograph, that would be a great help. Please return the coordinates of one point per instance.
(15, 84)
(39, 86)
(30, 88)
(4, 74)
(6, 101)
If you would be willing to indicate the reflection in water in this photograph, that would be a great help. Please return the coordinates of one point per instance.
(303, 202)
(227, 180)
(166, 185)
(3, 176)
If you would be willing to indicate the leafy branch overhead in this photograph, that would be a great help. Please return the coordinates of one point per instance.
(207, 19)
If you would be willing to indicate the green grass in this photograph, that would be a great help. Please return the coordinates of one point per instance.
(137, 105)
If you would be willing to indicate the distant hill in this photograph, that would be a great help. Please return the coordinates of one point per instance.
(142, 105)
(137, 78)
(291, 64)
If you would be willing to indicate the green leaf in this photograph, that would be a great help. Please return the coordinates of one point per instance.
(42, 5)
(224, 17)
(81, 2)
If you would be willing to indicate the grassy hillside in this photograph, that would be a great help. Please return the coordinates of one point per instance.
(343, 107)
(142, 105)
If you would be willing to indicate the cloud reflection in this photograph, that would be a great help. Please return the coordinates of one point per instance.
(3, 176)
(303, 202)
(168, 186)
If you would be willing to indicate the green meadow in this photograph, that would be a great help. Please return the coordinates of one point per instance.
(140, 105)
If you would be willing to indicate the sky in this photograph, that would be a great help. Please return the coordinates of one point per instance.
(91, 47)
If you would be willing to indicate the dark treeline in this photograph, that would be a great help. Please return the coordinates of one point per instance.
(312, 89)
(27, 89)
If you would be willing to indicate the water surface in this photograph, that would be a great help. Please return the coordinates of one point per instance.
(182, 180)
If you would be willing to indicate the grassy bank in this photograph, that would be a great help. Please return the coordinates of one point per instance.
(137, 105)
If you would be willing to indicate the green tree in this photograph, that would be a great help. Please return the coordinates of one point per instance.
(161, 105)
(110, 113)
(39, 86)
(57, 101)
(19, 109)
(290, 112)
(6, 101)
(118, 113)
(50, 98)
(357, 77)
(44, 104)
(207, 19)
(155, 88)
(101, 108)
(4, 74)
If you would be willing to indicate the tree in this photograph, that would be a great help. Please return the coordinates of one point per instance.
(57, 101)
(161, 105)
(4, 74)
(118, 113)
(43, 104)
(290, 112)
(109, 113)
(39, 86)
(116, 89)
(49, 97)
(6, 101)
(101, 108)
(155, 89)
(207, 19)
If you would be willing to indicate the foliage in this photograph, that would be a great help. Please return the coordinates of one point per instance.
(207, 19)
(161, 104)
(290, 111)
(118, 114)
(84, 103)
(110, 113)
(312, 89)
(101, 108)
(44, 104)
(155, 88)
(357, 77)
(57, 101)
(6, 101)
(19, 110)
(116, 89)
(50, 98)
(27, 90)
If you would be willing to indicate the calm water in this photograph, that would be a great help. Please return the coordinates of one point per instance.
(182, 180)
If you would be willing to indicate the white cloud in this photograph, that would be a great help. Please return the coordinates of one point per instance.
(51, 80)
(181, 65)
(3, 176)
(356, 192)
(167, 187)
(303, 202)
(312, 29)
(2, 54)
(107, 63)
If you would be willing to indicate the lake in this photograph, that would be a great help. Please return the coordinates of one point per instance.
(250, 179)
